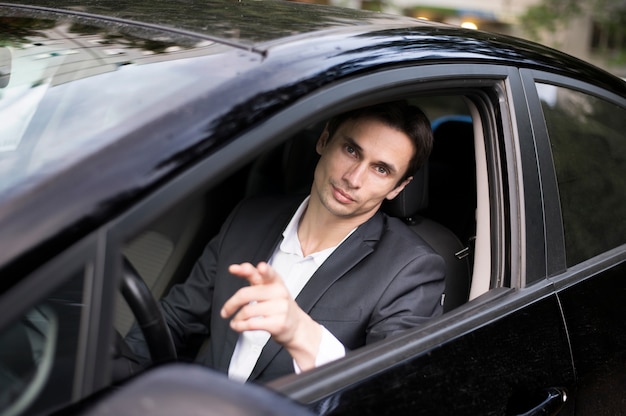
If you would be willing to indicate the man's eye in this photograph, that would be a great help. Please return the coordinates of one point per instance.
(382, 170)
(350, 149)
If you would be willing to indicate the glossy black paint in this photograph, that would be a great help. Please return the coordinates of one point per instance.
(492, 370)
(184, 389)
(503, 354)
(595, 308)
(238, 23)
(290, 67)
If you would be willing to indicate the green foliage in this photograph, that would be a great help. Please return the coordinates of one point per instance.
(606, 17)
(548, 15)
(16, 30)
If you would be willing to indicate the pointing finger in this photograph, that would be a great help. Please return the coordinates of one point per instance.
(247, 271)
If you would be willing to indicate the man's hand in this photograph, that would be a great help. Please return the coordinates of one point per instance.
(267, 305)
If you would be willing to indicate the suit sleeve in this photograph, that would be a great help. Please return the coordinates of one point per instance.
(412, 297)
(187, 307)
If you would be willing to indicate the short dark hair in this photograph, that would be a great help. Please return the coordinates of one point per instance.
(400, 115)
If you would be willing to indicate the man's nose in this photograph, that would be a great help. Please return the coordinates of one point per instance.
(354, 175)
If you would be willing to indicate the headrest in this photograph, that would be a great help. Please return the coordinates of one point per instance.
(413, 198)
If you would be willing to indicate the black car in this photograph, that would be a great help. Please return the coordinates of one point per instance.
(130, 129)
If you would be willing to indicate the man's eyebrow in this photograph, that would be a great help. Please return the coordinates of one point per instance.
(353, 143)
(390, 167)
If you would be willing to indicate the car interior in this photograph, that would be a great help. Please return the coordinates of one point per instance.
(442, 204)
(447, 204)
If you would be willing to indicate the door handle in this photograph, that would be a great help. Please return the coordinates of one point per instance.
(552, 401)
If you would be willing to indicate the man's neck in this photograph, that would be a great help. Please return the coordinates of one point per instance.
(319, 229)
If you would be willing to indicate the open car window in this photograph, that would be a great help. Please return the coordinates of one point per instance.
(165, 251)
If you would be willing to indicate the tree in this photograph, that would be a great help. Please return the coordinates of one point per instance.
(606, 17)
(552, 15)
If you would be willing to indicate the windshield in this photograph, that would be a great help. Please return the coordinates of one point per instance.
(68, 89)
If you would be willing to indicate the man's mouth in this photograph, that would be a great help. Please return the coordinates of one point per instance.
(342, 196)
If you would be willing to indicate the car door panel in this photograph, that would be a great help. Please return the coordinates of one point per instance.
(503, 358)
(580, 126)
(594, 309)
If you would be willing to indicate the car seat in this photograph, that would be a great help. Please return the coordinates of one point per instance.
(409, 206)
(452, 176)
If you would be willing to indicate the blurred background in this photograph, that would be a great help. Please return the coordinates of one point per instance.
(592, 30)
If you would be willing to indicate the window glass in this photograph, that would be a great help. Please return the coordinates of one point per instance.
(589, 150)
(58, 76)
(38, 353)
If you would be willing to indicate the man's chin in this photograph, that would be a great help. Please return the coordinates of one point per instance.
(339, 209)
(348, 211)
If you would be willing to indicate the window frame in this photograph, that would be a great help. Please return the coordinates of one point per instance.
(82, 258)
(383, 84)
(502, 111)
(555, 235)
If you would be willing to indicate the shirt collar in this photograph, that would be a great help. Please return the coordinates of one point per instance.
(291, 243)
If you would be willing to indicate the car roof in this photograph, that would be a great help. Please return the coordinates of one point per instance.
(245, 24)
(220, 68)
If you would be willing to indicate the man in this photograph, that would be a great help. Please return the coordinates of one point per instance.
(288, 285)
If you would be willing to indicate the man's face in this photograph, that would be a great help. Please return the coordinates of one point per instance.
(360, 167)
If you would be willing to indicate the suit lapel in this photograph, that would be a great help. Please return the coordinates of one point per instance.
(265, 250)
(354, 249)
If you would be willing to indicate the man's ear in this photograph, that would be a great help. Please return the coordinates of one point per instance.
(391, 195)
(322, 141)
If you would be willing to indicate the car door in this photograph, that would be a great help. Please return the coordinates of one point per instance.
(504, 352)
(52, 339)
(585, 135)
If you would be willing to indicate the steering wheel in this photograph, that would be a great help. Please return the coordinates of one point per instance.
(149, 317)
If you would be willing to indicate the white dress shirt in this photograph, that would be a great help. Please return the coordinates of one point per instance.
(295, 269)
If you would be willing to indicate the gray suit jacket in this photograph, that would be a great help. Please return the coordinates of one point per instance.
(381, 280)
